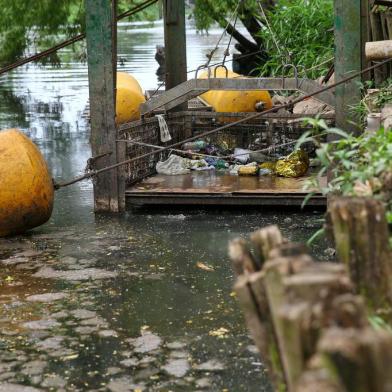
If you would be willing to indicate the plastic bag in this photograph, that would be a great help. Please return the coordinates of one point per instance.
(175, 165)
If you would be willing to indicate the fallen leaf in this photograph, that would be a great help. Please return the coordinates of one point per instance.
(204, 267)
(220, 332)
(70, 357)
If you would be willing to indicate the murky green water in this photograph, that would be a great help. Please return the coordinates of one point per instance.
(117, 303)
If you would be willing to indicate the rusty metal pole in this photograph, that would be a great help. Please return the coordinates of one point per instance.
(351, 33)
(175, 42)
(101, 54)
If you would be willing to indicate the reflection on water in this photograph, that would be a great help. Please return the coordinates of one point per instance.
(117, 302)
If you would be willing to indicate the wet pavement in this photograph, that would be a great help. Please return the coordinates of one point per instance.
(137, 302)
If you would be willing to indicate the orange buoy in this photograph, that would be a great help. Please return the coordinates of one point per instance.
(234, 101)
(128, 98)
(26, 187)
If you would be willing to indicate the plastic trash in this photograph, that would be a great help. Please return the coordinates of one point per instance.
(271, 166)
(211, 149)
(164, 129)
(195, 146)
(294, 165)
(221, 164)
(241, 155)
(198, 165)
(235, 168)
(265, 172)
(248, 171)
(174, 165)
(211, 161)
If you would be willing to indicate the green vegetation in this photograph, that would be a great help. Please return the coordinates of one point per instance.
(359, 165)
(378, 323)
(39, 25)
(303, 31)
(24, 24)
(26, 29)
(372, 102)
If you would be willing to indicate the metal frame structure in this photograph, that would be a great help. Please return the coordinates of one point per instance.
(202, 189)
(195, 87)
(351, 33)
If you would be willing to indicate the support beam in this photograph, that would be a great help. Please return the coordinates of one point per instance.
(175, 42)
(350, 36)
(101, 53)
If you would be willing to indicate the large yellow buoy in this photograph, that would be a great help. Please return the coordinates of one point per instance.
(26, 188)
(234, 101)
(128, 99)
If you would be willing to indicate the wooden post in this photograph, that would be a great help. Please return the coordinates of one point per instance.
(361, 236)
(175, 42)
(100, 50)
(379, 50)
(350, 33)
(305, 319)
(377, 34)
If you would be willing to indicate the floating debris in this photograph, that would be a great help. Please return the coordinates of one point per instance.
(5, 387)
(41, 324)
(146, 343)
(293, 166)
(220, 332)
(75, 275)
(204, 267)
(47, 297)
(210, 366)
(177, 367)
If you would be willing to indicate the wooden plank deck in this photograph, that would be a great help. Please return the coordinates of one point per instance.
(219, 188)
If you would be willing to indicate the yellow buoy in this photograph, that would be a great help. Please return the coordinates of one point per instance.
(128, 99)
(126, 79)
(26, 188)
(234, 101)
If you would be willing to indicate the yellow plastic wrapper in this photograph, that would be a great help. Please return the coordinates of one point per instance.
(269, 166)
(248, 171)
(294, 165)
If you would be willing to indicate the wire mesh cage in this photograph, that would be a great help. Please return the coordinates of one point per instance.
(274, 132)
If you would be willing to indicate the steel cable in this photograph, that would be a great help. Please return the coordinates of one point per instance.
(222, 128)
(71, 41)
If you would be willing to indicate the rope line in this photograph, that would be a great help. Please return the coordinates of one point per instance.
(222, 128)
(267, 150)
(274, 38)
(211, 54)
(211, 65)
(71, 41)
(227, 51)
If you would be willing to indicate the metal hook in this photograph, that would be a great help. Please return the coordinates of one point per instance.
(288, 66)
(202, 67)
(224, 67)
(304, 77)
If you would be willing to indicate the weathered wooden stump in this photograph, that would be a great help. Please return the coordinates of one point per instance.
(312, 332)
(361, 236)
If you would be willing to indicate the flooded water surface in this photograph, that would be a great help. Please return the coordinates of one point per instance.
(137, 302)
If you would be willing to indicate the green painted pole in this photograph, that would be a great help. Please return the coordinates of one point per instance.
(350, 37)
(175, 42)
(100, 52)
